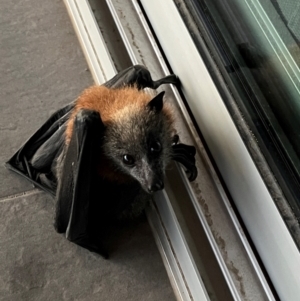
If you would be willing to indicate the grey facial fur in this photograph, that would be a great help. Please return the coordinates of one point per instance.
(136, 135)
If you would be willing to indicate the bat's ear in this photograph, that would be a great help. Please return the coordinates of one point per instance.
(156, 104)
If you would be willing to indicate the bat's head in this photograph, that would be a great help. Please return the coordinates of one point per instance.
(139, 142)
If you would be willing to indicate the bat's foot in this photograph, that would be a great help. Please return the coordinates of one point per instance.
(185, 154)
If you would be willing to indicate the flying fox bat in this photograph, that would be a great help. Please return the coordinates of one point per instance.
(104, 155)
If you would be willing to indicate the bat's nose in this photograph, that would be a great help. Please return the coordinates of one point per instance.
(155, 186)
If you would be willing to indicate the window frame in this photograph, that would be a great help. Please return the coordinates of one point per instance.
(268, 231)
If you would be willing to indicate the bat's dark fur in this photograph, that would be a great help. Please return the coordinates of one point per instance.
(104, 155)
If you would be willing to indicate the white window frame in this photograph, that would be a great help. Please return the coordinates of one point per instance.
(270, 235)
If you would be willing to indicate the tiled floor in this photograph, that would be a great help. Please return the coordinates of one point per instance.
(42, 68)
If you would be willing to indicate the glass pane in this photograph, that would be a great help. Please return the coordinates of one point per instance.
(265, 43)
(258, 43)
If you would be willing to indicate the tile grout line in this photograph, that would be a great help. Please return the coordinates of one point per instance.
(24, 193)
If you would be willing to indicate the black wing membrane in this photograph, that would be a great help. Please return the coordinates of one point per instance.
(140, 76)
(75, 189)
(35, 158)
(73, 180)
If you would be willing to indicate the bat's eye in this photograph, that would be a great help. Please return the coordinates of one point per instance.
(128, 160)
(155, 147)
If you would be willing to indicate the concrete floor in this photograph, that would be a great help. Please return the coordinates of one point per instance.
(42, 68)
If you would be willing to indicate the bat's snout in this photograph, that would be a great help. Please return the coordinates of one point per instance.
(155, 186)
